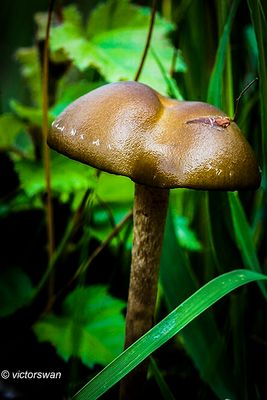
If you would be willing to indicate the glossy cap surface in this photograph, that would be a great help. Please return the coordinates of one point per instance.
(127, 128)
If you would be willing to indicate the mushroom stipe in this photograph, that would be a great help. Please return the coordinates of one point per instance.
(129, 129)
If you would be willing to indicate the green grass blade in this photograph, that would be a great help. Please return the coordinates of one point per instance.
(215, 85)
(164, 388)
(164, 330)
(244, 238)
(202, 339)
(170, 83)
(260, 26)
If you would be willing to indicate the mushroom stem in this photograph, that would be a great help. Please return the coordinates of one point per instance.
(150, 208)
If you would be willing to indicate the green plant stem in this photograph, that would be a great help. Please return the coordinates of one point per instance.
(46, 151)
(150, 208)
(83, 267)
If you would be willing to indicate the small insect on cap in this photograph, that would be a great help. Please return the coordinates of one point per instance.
(127, 128)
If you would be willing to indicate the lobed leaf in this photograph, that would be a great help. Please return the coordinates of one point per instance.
(115, 49)
(13, 134)
(68, 176)
(91, 326)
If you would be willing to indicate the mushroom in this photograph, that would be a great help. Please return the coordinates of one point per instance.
(129, 129)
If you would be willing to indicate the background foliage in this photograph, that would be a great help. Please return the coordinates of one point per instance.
(53, 318)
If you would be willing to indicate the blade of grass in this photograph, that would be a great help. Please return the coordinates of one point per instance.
(164, 388)
(164, 330)
(260, 26)
(227, 94)
(244, 238)
(259, 23)
(202, 339)
(215, 85)
(173, 88)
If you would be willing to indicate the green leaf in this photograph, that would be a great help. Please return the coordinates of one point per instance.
(215, 85)
(67, 176)
(258, 17)
(16, 290)
(163, 387)
(164, 330)
(244, 237)
(115, 189)
(28, 58)
(104, 220)
(112, 16)
(202, 339)
(13, 134)
(70, 91)
(115, 49)
(185, 236)
(29, 114)
(90, 327)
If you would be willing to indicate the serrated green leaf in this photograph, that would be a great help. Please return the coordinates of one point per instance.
(67, 176)
(115, 49)
(94, 319)
(70, 30)
(16, 291)
(112, 16)
(12, 133)
(29, 114)
(28, 58)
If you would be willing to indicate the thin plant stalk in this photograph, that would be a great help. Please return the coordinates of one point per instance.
(46, 151)
(148, 40)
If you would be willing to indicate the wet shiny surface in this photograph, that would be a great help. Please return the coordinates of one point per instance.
(127, 128)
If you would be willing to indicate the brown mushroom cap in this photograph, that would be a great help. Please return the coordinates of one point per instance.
(127, 128)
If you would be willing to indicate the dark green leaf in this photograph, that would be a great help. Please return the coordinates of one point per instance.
(185, 236)
(29, 114)
(258, 17)
(202, 339)
(215, 85)
(90, 327)
(67, 176)
(16, 291)
(244, 238)
(11, 131)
